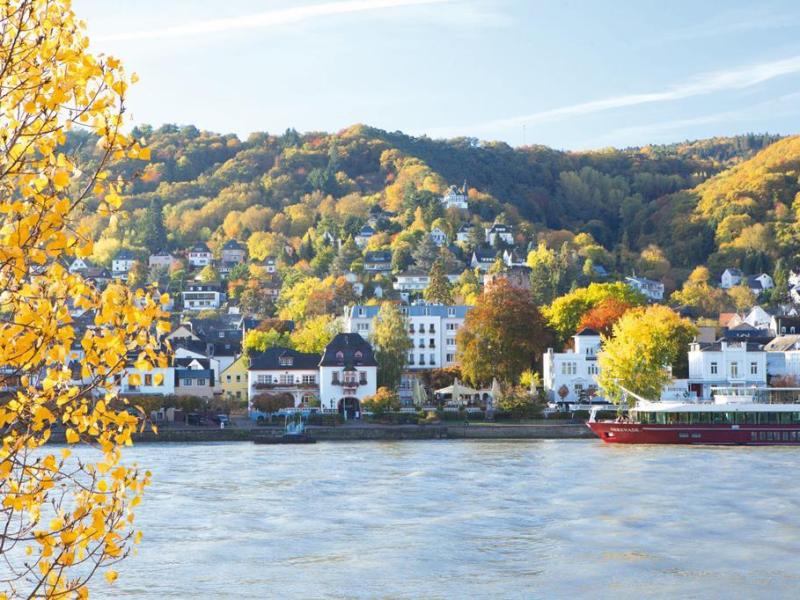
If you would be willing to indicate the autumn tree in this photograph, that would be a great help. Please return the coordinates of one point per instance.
(382, 401)
(316, 333)
(502, 336)
(261, 341)
(697, 293)
(602, 317)
(439, 290)
(63, 519)
(742, 298)
(645, 342)
(391, 343)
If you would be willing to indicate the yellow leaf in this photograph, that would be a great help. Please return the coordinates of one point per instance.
(111, 576)
(61, 179)
(72, 436)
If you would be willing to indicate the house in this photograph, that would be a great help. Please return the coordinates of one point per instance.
(730, 277)
(284, 371)
(233, 379)
(363, 236)
(783, 357)
(513, 258)
(268, 265)
(600, 271)
(760, 283)
(432, 330)
(653, 290)
(501, 232)
(194, 377)
(416, 280)
(200, 255)
(783, 324)
(202, 296)
(455, 198)
(159, 381)
(745, 331)
(122, 263)
(233, 252)
(571, 376)
(726, 363)
(97, 275)
(378, 261)
(463, 233)
(79, 265)
(728, 319)
(758, 318)
(483, 258)
(161, 259)
(348, 373)
(438, 236)
(352, 278)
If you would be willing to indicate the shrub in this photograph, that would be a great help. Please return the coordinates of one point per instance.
(270, 403)
(382, 401)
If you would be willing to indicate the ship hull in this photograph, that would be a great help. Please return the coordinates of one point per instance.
(612, 432)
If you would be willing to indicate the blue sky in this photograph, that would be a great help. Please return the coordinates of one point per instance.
(569, 74)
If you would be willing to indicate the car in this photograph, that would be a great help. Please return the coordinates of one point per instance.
(221, 419)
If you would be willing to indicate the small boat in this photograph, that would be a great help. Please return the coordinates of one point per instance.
(294, 433)
(733, 416)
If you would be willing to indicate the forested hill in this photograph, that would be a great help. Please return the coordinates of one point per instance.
(214, 187)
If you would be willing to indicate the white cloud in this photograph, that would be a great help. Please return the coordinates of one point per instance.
(708, 83)
(267, 19)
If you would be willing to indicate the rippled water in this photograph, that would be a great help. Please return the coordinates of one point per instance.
(466, 519)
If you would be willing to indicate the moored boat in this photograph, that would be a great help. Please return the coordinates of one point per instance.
(733, 416)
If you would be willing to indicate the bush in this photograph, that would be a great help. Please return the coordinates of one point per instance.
(270, 403)
(382, 401)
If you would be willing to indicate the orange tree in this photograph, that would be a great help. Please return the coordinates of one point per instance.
(502, 336)
(63, 519)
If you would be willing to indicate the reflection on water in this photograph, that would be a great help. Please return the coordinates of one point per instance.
(461, 519)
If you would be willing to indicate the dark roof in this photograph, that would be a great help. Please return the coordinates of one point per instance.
(366, 230)
(717, 346)
(348, 349)
(124, 254)
(202, 287)
(586, 331)
(232, 245)
(188, 360)
(271, 360)
(465, 228)
(378, 256)
(198, 346)
(201, 247)
(485, 254)
(500, 228)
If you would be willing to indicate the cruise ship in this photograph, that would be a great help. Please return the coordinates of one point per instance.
(733, 416)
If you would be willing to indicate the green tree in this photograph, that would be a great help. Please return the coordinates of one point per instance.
(426, 253)
(439, 290)
(316, 333)
(208, 274)
(645, 342)
(348, 253)
(155, 233)
(391, 343)
(260, 341)
(382, 401)
(502, 336)
(139, 275)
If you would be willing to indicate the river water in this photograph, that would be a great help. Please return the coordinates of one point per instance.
(465, 519)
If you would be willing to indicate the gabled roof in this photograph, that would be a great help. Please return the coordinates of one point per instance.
(378, 256)
(733, 271)
(366, 230)
(483, 254)
(466, 228)
(232, 245)
(270, 360)
(587, 332)
(783, 343)
(124, 254)
(350, 350)
(200, 247)
(500, 228)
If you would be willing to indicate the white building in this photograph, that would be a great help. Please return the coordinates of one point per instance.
(162, 259)
(730, 278)
(438, 236)
(200, 255)
(572, 375)
(758, 318)
(455, 198)
(416, 280)
(726, 364)
(783, 356)
(79, 265)
(760, 283)
(282, 370)
(348, 373)
(202, 296)
(363, 236)
(122, 263)
(432, 330)
(501, 232)
(156, 381)
(463, 233)
(653, 290)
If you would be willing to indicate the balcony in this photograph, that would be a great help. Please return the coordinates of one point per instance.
(350, 384)
(275, 386)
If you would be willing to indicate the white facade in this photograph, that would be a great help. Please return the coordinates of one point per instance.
(363, 237)
(758, 318)
(572, 374)
(726, 364)
(302, 384)
(432, 329)
(653, 290)
(162, 260)
(455, 198)
(122, 262)
(499, 231)
(730, 277)
(202, 296)
(156, 381)
(200, 256)
(438, 236)
(337, 382)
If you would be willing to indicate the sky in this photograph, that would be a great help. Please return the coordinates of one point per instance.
(570, 74)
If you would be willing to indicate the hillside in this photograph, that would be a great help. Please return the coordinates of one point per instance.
(297, 186)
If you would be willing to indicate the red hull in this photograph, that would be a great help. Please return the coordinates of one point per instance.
(751, 435)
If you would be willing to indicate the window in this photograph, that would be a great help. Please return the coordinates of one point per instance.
(451, 312)
(734, 370)
(238, 378)
(451, 326)
(713, 368)
(362, 327)
(148, 379)
(421, 359)
(350, 377)
(432, 343)
(450, 357)
(358, 355)
(433, 358)
(201, 381)
(569, 368)
(411, 329)
(309, 379)
(186, 382)
(286, 379)
(593, 369)
(753, 368)
(285, 361)
(264, 379)
(228, 378)
(238, 394)
(451, 341)
(362, 377)
(335, 377)
(431, 328)
(340, 356)
(421, 343)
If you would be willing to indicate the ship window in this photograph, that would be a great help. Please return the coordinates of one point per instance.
(785, 436)
(754, 436)
(696, 436)
(683, 435)
(762, 436)
(794, 436)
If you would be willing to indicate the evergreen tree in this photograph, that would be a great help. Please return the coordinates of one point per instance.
(780, 277)
(155, 233)
(439, 290)
(391, 342)
(347, 254)
(426, 253)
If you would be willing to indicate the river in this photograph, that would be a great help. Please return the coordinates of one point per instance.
(465, 519)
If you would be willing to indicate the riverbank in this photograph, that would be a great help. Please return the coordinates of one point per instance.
(370, 432)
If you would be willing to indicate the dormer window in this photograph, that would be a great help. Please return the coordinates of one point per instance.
(358, 355)
(286, 361)
(340, 356)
